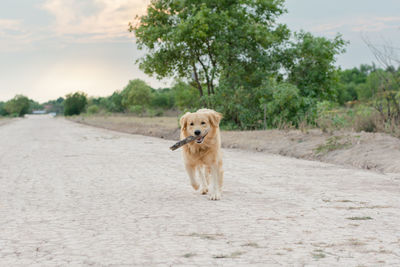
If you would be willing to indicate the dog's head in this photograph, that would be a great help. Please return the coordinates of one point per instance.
(201, 124)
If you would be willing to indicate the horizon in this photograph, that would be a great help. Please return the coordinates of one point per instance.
(54, 47)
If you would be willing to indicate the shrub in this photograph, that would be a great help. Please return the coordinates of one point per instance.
(3, 112)
(75, 103)
(137, 92)
(285, 105)
(93, 109)
(163, 98)
(18, 106)
(330, 116)
(365, 123)
(137, 109)
(186, 96)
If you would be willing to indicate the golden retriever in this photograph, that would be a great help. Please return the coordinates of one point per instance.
(204, 155)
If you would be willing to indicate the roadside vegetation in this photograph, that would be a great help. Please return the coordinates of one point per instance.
(18, 106)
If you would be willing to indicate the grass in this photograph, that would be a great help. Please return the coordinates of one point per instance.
(251, 244)
(332, 143)
(189, 255)
(232, 255)
(318, 254)
(206, 236)
(359, 218)
(163, 127)
(4, 120)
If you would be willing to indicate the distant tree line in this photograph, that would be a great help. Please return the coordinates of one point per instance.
(18, 106)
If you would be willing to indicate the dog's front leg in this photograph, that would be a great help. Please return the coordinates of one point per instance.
(215, 188)
(203, 173)
(191, 171)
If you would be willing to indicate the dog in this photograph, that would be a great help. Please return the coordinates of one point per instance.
(204, 155)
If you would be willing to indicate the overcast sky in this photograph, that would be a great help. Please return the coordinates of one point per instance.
(49, 48)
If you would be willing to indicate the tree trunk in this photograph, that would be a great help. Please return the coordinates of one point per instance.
(205, 69)
(196, 78)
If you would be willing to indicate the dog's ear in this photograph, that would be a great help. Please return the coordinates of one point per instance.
(183, 120)
(215, 118)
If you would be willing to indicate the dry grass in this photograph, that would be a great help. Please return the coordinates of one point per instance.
(364, 218)
(376, 151)
(163, 127)
(4, 120)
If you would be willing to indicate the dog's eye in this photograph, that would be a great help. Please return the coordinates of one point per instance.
(191, 124)
(203, 122)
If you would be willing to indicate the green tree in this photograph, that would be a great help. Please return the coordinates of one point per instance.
(204, 40)
(75, 103)
(136, 93)
(309, 62)
(163, 98)
(350, 82)
(186, 96)
(3, 112)
(33, 105)
(113, 103)
(18, 106)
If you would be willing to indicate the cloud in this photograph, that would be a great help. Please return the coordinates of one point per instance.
(363, 24)
(13, 35)
(93, 20)
(9, 24)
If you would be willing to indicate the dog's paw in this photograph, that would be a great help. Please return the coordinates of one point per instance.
(204, 190)
(215, 196)
(195, 186)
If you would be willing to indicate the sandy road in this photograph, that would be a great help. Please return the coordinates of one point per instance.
(72, 195)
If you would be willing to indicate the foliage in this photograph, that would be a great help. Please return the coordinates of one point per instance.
(136, 109)
(309, 63)
(163, 98)
(137, 92)
(113, 103)
(56, 106)
(202, 40)
(3, 112)
(18, 106)
(75, 103)
(185, 96)
(333, 143)
(284, 104)
(93, 109)
(350, 81)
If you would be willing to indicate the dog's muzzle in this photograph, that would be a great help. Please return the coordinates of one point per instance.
(200, 139)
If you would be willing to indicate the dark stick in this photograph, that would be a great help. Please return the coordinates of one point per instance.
(183, 142)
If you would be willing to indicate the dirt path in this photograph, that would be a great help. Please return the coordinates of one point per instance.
(75, 195)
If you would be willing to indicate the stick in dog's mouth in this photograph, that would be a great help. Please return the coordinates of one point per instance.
(200, 140)
(188, 140)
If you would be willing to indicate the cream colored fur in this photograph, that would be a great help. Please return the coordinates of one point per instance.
(203, 162)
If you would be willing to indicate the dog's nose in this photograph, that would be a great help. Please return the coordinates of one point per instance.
(197, 132)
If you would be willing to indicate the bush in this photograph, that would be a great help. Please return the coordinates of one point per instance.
(137, 92)
(75, 103)
(186, 96)
(137, 109)
(330, 117)
(285, 105)
(93, 109)
(163, 98)
(3, 112)
(365, 119)
(18, 106)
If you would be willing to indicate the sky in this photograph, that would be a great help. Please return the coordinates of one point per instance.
(49, 48)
